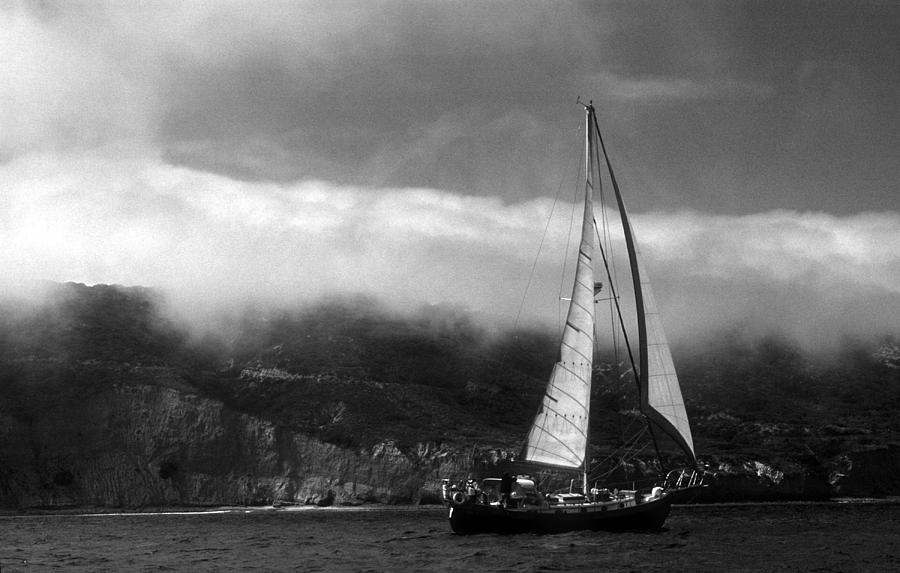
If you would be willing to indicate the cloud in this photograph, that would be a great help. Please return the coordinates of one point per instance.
(62, 90)
(812, 276)
(660, 88)
(224, 153)
(205, 236)
(349, 92)
(211, 240)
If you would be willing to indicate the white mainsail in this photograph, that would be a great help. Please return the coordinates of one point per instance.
(559, 433)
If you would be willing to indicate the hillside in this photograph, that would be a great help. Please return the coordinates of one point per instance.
(109, 401)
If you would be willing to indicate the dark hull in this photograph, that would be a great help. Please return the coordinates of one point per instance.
(468, 518)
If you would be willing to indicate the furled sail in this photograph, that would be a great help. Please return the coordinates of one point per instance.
(559, 433)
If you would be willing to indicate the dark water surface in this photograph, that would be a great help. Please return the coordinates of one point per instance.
(751, 537)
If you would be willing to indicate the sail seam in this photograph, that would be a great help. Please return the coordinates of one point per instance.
(568, 462)
(565, 419)
(582, 307)
(575, 374)
(558, 440)
(576, 351)
(583, 285)
(574, 459)
(584, 334)
(574, 399)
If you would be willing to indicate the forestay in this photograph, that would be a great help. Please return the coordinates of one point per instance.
(661, 399)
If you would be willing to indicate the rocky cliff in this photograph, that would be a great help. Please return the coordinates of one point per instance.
(145, 445)
(108, 403)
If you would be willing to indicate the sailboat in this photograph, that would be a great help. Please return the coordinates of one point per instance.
(558, 437)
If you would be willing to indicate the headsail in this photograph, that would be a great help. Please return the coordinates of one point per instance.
(661, 399)
(559, 433)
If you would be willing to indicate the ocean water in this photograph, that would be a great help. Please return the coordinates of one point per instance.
(842, 537)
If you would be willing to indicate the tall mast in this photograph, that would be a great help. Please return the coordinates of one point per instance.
(588, 235)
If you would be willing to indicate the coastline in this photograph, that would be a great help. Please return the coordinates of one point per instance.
(91, 511)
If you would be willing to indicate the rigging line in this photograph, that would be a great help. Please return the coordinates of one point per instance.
(634, 443)
(624, 459)
(622, 449)
(534, 266)
(613, 279)
(628, 439)
(565, 267)
(536, 258)
(615, 297)
(607, 241)
(630, 428)
(624, 453)
(633, 454)
(636, 279)
(611, 273)
(541, 245)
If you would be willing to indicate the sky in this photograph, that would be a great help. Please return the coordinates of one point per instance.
(224, 151)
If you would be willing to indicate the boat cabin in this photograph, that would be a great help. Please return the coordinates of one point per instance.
(524, 491)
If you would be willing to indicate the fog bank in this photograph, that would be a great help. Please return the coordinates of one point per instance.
(211, 242)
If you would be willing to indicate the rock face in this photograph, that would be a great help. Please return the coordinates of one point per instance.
(872, 472)
(137, 446)
(755, 480)
(151, 446)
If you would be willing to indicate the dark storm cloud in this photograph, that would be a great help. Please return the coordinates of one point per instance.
(791, 103)
(418, 93)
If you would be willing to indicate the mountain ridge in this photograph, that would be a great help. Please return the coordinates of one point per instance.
(110, 401)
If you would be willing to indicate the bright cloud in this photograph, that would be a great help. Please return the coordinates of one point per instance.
(144, 222)
(208, 239)
(62, 90)
(813, 276)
